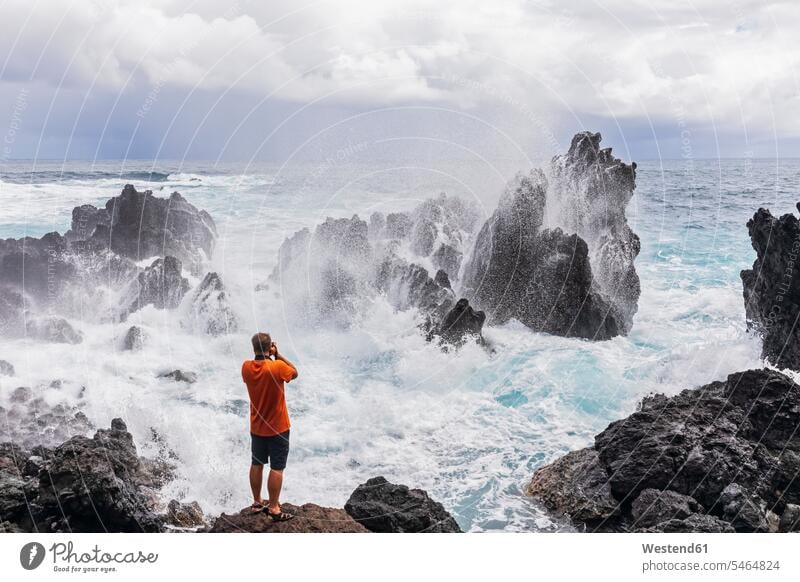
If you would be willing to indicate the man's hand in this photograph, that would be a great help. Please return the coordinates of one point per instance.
(273, 350)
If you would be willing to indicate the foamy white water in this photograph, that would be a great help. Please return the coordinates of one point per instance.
(469, 427)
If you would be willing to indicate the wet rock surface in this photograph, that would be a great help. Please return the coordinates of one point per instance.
(84, 484)
(726, 452)
(772, 287)
(541, 277)
(384, 507)
(460, 324)
(210, 311)
(161, 285)
(346, 263)
(66, 274)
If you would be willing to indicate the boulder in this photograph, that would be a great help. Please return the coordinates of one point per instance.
(309, 518)
(134, 339)
(180, 376)
(94, 485)
(381, 506)
(211, 312)
(727, 450)
(460, 324)
(576, 485)
(772, 287)
(6, 368)
(653, 507)
(161, 285)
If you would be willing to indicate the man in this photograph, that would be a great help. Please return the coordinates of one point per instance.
(269, 421)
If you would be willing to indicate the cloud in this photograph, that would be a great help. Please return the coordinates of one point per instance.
(702, 62)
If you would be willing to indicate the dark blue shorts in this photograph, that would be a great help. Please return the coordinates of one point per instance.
(274, 449)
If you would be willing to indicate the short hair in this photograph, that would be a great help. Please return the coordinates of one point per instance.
(261, 343)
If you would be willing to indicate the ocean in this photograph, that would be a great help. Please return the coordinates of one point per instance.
(469, 427)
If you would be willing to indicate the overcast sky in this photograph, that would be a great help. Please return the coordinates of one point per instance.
(278, 79)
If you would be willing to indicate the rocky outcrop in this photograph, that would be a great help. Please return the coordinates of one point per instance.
(85, 484)
(541, 277)
(210, 311)
(722, 457)
(309, 518)
(98, 257)
(140, 225)
(384, 507)
(558, 255)
(345, 263)
(161, 285)
(589, 191)
(772, 287)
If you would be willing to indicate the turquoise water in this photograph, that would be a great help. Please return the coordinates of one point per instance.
(468, 427)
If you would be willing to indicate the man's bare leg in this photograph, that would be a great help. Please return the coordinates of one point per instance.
(256, 479)
(274, 484)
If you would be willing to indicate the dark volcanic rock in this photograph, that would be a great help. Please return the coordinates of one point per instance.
(180, 376)
(570, 273)
(140, 225)
(6, 368)
(40, 267)
(790, 519)
(381, 506)
(94, 485)
(211, 311)
(461, 323)
(576, 485)
(542, 278)
(730, 449)
(653, 507)
(86, 484)
(99, 254)
(134, 339)
(161, 285)
(772, 287)
(695, 523)
(591, 189)
(309, 518)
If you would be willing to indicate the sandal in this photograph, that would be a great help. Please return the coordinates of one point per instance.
(280, 516)
(258, 507)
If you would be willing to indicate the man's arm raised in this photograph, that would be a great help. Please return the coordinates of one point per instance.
(274, 352)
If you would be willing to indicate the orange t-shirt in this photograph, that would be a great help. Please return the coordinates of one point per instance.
(264, 378)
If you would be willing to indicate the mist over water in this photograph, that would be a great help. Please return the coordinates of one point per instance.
(377, 399)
